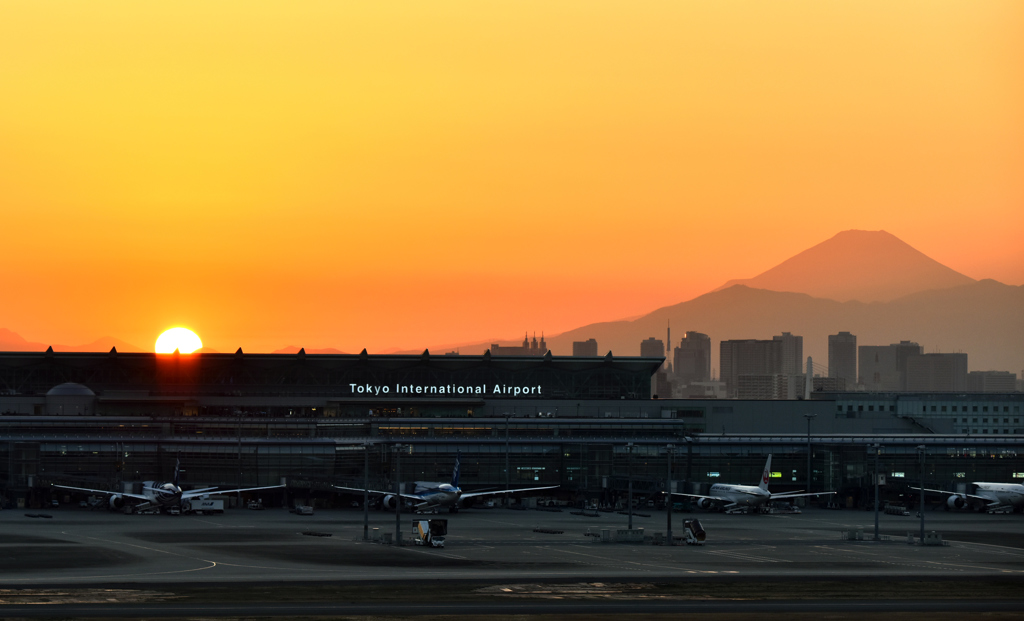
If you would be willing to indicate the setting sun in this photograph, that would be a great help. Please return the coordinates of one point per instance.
(181, 339)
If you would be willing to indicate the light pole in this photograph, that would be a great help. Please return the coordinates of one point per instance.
(238, 433)
(366, 491)
(398, 494)
(878, 450)
(508, 472)
(629, 471)
(809, 417)
(921, 453)
(669, 451)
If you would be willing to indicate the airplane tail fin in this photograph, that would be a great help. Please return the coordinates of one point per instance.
(455, 472)
(766, 475)
(177, 469)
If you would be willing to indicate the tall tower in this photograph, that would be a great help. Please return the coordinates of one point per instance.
(668, 347)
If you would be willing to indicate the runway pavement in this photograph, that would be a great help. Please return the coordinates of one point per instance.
(78, 547)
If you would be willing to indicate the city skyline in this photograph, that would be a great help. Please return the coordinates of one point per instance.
(757, 314)
(348, 177)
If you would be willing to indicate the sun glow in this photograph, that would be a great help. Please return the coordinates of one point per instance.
(181, 339)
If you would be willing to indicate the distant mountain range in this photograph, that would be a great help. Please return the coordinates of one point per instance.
(292, 349)
(11, 341)
(868, 266)
(869, 283)
(983, 319)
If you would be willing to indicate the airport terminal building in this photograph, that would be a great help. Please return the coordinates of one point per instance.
(587, 424)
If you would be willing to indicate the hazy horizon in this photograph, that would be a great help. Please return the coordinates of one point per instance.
(345, 176)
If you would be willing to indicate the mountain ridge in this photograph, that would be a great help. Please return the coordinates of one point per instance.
(12, 341)
(870, 266)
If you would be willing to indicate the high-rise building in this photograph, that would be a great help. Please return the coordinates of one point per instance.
(842, 357)
(937, 373)
(991, 381)
(792, 353)
(582, 349)
(780, 356)
(652, 348)
(661, 385)
(883, 368)
(693, 358)
(774, 386)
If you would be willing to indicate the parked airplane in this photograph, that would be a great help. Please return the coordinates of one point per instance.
(161, 495)
(996, 496)
(445, 495)
(752, 496)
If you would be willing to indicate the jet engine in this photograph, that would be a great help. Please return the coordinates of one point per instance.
(116, 502)
(705, 503)
(956, 502)
(388, 502)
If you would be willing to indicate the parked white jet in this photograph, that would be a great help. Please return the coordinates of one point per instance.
(445, 495)
(736, 496)
(996, 496)
(161, 495)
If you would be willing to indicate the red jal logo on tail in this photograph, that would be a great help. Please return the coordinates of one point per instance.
(764, 477)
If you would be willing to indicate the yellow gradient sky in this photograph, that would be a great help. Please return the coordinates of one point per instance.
(407, 174)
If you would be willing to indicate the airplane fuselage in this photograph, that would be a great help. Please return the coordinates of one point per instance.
(1008, 494)
(162, 494)
(741, 495)
(446, 495)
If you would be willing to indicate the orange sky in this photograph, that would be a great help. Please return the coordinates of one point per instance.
(403, 175)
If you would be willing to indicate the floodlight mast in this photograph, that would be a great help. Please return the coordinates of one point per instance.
(669, 451)
(878, 450)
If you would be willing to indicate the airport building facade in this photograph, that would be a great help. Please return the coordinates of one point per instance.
(587, 424)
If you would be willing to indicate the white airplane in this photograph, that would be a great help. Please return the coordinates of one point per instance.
(751, 496)
(445, 495)
(162, 495)
(996, 496)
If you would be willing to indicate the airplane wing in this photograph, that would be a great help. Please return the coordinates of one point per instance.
(506, 491)
(377, 491)
(103, 491)
(204, 490)
(199, 492)
(962, 494)
(699, 496)
(783, 496)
